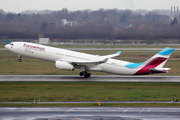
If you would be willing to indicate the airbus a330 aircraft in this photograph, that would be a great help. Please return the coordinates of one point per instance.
(69, 60)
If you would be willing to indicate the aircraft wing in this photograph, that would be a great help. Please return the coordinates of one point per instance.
(85, 62)
(104, 59)
(112, 55)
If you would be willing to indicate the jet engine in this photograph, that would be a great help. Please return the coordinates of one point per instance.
(64, 65)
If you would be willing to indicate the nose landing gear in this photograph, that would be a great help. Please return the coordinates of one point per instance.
(19, 60)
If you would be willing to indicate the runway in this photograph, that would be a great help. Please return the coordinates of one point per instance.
(89, 113)
(93, 78)
(3, 49)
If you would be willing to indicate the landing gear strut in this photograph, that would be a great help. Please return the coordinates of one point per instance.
(19, 60)
(86, 75)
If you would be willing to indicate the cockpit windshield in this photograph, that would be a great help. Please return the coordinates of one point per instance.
(11, 44)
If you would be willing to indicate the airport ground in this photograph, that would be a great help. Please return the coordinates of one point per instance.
(89, 91)
(28, 91)
(89, 113)
(142, 91)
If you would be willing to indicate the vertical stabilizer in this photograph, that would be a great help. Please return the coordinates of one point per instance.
(156, 62)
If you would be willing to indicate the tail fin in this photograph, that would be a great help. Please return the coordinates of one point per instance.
(155, 64)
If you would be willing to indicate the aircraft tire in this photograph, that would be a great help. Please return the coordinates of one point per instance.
(19, 60)
(81, 73)
(87, 75)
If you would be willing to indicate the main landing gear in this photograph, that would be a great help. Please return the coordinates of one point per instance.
(19, 60)
(86, 75)
(84, 72)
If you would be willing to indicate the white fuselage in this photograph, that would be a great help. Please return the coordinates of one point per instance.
(53, 54)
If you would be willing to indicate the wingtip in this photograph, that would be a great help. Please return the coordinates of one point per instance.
(119, 52)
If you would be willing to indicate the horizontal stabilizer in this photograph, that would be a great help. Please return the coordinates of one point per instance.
(162, 70)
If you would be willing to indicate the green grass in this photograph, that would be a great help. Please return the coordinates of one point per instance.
(94, 105)
(87, 91)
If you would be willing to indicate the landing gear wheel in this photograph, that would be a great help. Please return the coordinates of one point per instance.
(19, 60)
(87, 75)
(81, 74)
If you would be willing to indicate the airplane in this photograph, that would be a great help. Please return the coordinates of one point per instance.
(69, 60)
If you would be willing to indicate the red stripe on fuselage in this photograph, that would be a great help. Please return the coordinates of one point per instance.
(154, 63)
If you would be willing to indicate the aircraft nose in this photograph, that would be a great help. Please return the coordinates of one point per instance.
(7, 46)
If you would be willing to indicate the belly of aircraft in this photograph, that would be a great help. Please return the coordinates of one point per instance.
(115, 69)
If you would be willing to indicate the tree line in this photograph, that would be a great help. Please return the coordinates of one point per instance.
(87, 24)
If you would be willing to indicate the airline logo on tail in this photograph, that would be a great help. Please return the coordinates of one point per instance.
(155, 64)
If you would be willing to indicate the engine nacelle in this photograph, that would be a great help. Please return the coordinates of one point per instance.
(64, 65)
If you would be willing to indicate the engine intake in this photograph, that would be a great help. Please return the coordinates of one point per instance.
(64, 65)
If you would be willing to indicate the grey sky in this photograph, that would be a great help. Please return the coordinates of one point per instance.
(12, 5)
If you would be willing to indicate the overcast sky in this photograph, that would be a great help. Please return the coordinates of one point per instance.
(21, 5)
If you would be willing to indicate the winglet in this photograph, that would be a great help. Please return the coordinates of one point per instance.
(112, 55)
(119, 52)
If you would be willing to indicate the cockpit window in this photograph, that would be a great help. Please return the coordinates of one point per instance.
(11, 44)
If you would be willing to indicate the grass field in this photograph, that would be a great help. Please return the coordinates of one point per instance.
(94, 105)
(87, 91)
(84, 91)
